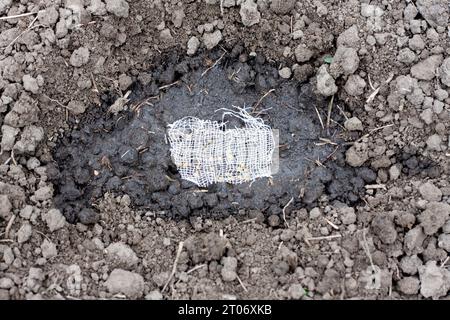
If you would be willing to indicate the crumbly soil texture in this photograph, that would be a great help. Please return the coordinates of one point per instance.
(129, 153)
(92, 205)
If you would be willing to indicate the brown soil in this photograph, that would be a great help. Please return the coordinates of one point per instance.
(393, 243)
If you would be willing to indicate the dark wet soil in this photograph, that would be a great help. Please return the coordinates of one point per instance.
(128, 153)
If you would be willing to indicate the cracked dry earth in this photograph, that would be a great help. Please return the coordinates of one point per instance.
(359, 89)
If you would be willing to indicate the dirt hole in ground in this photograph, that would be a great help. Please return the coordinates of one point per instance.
(128, 153)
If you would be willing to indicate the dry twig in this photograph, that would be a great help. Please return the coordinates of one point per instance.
(332, 224)
(284, 211)
(42, 234)
(20, 15)
(331, 154)
(22, 33)
(168, 85)
(221, 8)
(325, 237)
(325, 141)
(13, 158)
(241, 283)
(330, 108)
(372, 131)
(95, 84)
(366, 248)
(214, 64)
(342, 112)
(196, 268)
(262, 98)
(175, 263)
(8, 227)
(376, 186)
(444, 262)
(248, 221)
(54, 100)
(376, 90)
(381, 128)
(320, 118)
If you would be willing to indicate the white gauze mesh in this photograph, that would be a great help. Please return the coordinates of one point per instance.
(207, 152)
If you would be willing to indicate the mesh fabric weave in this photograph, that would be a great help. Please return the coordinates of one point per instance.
(207, 152)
